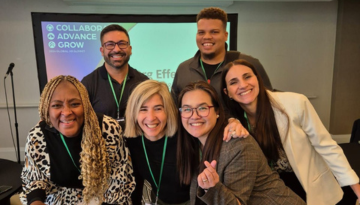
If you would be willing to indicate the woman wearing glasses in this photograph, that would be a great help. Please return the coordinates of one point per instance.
(291, 135)
(234, 172)
(151, 124)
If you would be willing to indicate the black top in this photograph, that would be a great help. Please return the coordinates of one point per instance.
(62, 169)
(171, 191)
(100, 92)
(209, 69)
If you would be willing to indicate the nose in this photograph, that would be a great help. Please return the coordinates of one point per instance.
(66, 111)
(207, 35)
(195, 114)
(151, 115)
(242, 84)
(117, 47)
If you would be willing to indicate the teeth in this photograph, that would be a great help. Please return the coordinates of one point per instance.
(196, 124)
(64, 121)
(151, 126)
(244, 93)
(208, 44)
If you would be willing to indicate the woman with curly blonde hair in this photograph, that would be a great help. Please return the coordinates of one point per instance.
(69, 158)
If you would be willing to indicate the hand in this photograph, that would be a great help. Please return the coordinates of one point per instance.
(234, 130)
(356, 189)
(209, 177)
(37, 203)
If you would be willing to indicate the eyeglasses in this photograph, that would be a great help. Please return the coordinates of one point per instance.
(111, 45)
(202, 111)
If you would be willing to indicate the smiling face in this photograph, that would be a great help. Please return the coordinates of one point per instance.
(242, 85)
(198, 126)
(117, 57)
(66, 111)
(211, 37)
(152, 118)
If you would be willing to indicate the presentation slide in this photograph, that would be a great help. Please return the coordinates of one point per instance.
(73, 48)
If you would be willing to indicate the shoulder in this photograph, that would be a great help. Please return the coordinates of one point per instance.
(185, 64)
(137, 75)
(36, 132)
(110, 126)
(89, 77)
(287, 99)
(238, 145)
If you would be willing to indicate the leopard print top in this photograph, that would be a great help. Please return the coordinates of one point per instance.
(36, 170)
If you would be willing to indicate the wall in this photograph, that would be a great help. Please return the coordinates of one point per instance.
(345, 103)
(294, 41)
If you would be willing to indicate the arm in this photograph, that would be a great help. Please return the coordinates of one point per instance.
(34, 173)
(240, 168)
(323, 143)
(122, 182)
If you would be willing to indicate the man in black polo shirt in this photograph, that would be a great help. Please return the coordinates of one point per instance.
(110, 85)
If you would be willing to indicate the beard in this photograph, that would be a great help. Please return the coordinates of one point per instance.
(117, 64)
(208, 56)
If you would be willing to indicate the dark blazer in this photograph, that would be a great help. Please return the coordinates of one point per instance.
(244, 175)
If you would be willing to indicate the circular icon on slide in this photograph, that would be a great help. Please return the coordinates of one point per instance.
(52, 44)
(51, 36)
(49, 27)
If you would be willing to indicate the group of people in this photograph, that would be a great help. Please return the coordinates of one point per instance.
(98, 141)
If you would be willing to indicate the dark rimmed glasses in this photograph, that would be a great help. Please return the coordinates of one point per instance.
(202, 111)
(111, 45)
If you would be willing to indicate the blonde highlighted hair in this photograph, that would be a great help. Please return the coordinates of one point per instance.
(94, 159)
(139, 96)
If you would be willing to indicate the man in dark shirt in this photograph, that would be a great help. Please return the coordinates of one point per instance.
(209, 61)
(110, 85)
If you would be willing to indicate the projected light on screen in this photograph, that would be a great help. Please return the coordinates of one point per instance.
(69, 44)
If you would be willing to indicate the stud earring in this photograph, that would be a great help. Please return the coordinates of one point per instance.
(217, 116)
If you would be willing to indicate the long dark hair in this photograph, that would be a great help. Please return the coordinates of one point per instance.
(266, 132)
(188, 147)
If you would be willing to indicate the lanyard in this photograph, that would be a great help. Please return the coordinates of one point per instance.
(202, 66)
(247, 120)
(63, 140)
(162, 166)
(121, 94)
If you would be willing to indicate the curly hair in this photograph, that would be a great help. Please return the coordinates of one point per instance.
(213, 13)
(94, 159)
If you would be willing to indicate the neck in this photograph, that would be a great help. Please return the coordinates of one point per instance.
(251, 113)
(202, 140)
(154, 138)
(214, 60)
(117, 74)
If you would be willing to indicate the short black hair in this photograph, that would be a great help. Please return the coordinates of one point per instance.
(213, 13)
(113, 27)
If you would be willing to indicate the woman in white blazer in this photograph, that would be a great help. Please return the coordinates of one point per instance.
(291, 135)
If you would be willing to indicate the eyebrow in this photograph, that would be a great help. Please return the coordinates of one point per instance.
(198, 105)
(71, 100)
(159, 105)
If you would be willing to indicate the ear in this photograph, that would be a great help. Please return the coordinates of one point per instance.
(225, 91)
(102, 50)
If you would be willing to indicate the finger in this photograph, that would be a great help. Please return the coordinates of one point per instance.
(210, 167)
(213, 164)
(226, 133)
(200, 180)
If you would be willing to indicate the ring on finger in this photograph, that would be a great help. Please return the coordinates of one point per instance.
(204, 180)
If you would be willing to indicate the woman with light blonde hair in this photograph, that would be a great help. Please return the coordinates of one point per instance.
(151, 124)
(73, 155)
